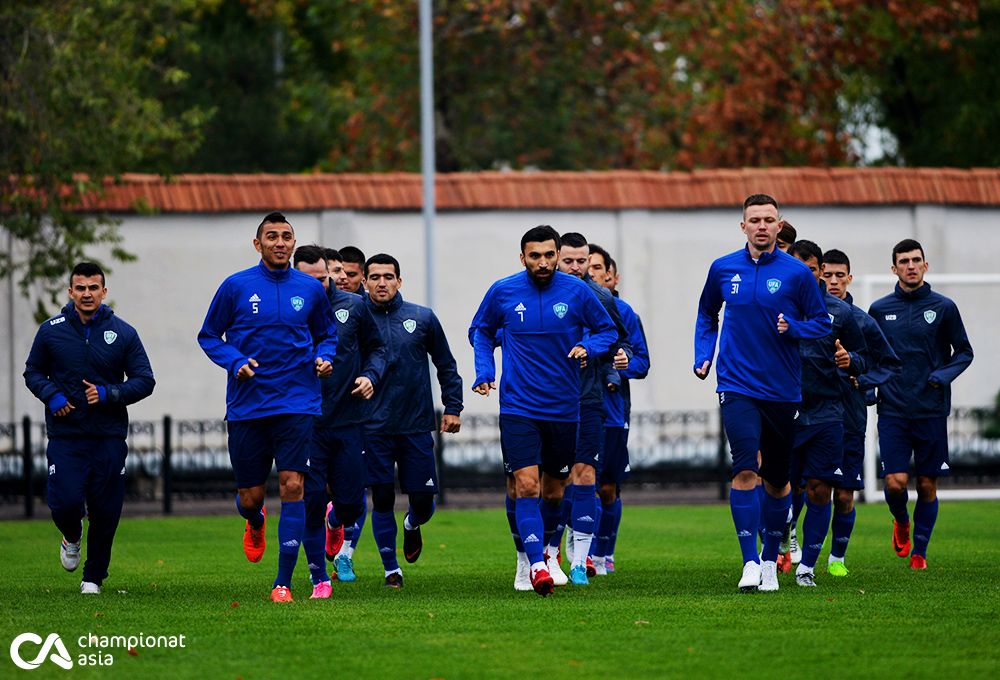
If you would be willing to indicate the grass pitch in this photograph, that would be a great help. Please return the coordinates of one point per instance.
(671, 610)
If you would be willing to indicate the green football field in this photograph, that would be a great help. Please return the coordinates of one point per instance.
(672, 609)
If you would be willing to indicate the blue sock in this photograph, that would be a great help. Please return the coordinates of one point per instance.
(814, 528)
(255, 517)
(530, 528)
(604, 529)
(384, 529)
(314, 542)
(291, 527)
(359, 524)
(746, 514)
(924, 516)
(761, 493)
(798, 498)
(565, 509)
(775, 513)
(841, 528)
(597, 523)
(512, 522)
(551, 514)
(613, 536)
(897, 505)
(584, 508)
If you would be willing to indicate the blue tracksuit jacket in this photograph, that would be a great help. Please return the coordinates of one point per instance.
(618, 403)
(360, 352)
(283, 320)
(405, 404)
(106, 352)
(539, 326)
(754, 359)
(881, 364)
(926, 331)
(822, 392)
(593, 378)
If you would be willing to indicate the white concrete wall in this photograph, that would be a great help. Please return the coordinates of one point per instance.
(664, 256)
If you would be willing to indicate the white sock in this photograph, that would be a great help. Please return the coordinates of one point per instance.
(536, 566)
(346, 549)
(833, 559)
(522, 558)
(581, 547)
(407, 525)
(803, 569)
(395, 571)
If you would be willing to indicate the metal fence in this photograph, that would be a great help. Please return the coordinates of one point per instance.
(188, 459)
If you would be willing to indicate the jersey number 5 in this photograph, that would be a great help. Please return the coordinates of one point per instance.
(255, 310)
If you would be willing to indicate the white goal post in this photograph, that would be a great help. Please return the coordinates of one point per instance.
(866, 286)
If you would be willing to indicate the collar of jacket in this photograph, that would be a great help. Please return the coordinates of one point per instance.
(918, 294)
(848, 298)
(765, 257)
(103, 313)
(279, 275)
(391, 306)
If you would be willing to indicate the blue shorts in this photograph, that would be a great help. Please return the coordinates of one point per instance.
(819, 452)
(412, 454)
(255, 444)
(590, 436)
(527, 442)
(853, 468)
(754, 425)
(615, 468)
(337, 462)
(926, 439)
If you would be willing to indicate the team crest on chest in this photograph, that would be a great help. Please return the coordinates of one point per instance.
(560, 309)
(409, 325)
(930, 315)
(773, 285)
(297, 303)
(342, 315)
(110, 336)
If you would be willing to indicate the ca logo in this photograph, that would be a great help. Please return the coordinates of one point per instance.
(59, 657)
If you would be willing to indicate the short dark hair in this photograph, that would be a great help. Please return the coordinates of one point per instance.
(598, 250)
(86, 270)
(612, 264)
(787, 233)
(272, 218)
(806, 249)
(541, 234)
(835, 256)
(382, 258)
(352, 254)
(573, 240)
(310, 254)
(759, 199)
(332, 255)
(905, 246)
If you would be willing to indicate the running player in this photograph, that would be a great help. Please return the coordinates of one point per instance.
(772, 302)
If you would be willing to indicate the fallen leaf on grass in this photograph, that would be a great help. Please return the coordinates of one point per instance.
(234, 605)
(132, 651)
(640, 622)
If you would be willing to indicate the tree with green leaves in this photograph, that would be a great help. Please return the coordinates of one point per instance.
(76, 111)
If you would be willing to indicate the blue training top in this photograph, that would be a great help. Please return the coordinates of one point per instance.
(539, 325)
(881, 364)
(618, 403)
(103, 352)
(754, 359)
(283, 320)
(927, 333)
(360, 352)
(405, 403)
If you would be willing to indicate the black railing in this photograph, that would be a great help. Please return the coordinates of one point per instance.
(188, 459)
